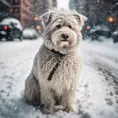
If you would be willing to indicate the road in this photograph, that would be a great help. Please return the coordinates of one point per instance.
(97, 91)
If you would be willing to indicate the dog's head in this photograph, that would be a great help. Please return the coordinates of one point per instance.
(62, 30)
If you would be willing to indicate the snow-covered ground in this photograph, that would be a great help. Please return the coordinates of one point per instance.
(97, 91)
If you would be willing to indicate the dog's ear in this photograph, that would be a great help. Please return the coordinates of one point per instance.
(80, 18)
(46, 18)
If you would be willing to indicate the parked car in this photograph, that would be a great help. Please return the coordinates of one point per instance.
(10, 29)
(30, 33)
(98, 31)
(115, 36)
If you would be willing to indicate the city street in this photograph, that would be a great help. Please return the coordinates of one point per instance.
(97, 91)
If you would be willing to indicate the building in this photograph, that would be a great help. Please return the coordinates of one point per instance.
(25, 12)
(20, 9)
(42, 6)
(4, 9)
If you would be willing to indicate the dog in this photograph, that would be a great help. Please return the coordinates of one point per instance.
(56, 69)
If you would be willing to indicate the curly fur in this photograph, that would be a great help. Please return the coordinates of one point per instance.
(60, 90)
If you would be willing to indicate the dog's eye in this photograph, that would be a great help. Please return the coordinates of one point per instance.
(69, 26)
(58, 26)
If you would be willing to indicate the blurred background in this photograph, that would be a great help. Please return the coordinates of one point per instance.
(27, 12)
(102, 17)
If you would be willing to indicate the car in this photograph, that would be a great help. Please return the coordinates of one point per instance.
(10, 29)
(30, 33)
(115, 36)
(100, 30)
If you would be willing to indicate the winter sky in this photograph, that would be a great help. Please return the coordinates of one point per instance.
(63, 3)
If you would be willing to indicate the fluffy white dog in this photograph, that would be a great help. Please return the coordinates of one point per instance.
(56, 69)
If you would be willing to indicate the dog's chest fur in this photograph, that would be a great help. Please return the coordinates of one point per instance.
(65, 76)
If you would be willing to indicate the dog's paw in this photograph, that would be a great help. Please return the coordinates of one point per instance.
(48, 111)
(57, 108)
(72, 108)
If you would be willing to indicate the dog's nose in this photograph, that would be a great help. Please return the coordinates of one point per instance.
(64, 36)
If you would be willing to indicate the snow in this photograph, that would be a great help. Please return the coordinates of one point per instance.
(7, 21)
(94, 89)
(3, 32)
(106, 47)
(92, 94)
(115, 33)
(98, 89)
(106, 51)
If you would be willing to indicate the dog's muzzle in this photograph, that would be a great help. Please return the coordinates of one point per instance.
(65, 37)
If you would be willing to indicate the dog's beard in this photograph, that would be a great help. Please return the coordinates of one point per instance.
(61, 43)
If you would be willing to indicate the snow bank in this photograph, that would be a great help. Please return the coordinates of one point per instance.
(93, 92)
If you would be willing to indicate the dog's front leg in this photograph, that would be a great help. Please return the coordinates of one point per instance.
(47, 101)
(69, 101)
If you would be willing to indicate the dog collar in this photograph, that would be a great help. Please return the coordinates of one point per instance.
(58, 53)
(57, 64)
